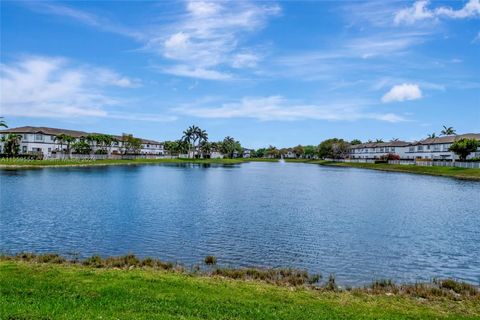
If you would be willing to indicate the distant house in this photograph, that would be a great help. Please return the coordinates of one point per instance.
(41, 140)
(376, 150)
(247, 153)
(437, 148)
(289, 154)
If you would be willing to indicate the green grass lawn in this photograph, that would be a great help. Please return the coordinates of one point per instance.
(49, 291)
(463, 173)
(22, 163)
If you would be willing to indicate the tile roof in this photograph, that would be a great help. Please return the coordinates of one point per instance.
(56, 131)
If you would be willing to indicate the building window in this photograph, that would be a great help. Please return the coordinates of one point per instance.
(24, 149)
(38, 137)
(436, 147)
(420, 148)
(49, 149)
(52, 138)
(411, 149)
(392, 149)
(25, 136)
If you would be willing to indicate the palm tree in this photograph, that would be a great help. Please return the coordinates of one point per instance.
(432, 136)
(60, 139)
(379, 141)
(228, 146)
(68, 140)
(205, 147)
(447, 131)
(188, 137)
(3, 123)
(191, 135)
(11, 144)
(202, 137)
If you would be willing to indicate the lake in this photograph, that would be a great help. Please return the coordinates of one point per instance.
(358, 224)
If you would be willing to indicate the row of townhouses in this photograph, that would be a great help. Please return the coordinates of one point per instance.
(431, 148)
(43, 140)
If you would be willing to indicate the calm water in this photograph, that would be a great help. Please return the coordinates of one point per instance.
(359, 224)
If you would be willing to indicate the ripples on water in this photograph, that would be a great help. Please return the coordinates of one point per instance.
(359, 224)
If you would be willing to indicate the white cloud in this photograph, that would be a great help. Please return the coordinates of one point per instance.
(420, 11)
(278, 108)
(197, 72)
(54, 87)
(209, 37)
(470, 10)
(245, 60)
(206, 37)
(82, 17)
(402, 92)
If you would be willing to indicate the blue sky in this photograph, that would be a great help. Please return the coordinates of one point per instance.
(279, 73)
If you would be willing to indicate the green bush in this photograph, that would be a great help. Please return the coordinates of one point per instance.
(210, 260)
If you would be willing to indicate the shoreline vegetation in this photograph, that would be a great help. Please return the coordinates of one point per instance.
(454, 172)
(51, 286)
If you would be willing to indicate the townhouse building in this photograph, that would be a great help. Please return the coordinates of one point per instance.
(438, 148)
(377, 150)
(43, 140)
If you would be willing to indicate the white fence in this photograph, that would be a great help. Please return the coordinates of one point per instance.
(406, 162)
(458, 164)
(352, 160)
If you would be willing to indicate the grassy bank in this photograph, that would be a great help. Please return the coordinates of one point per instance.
(23, 163)
(35, 290)
(454, 172)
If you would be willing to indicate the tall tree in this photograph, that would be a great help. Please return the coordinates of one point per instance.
(202, 136)
(432, 135)
(463, 147)
(309, 151)
(447, 131)
(355, 142)
(11, 144)
(299, 151)
(205, 148)
(59, 138)
(229, 146)
(68, 140)
(190, 135)
(333, 148)
(130, 144)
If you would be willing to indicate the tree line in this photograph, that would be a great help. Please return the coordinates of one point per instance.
(195, 144)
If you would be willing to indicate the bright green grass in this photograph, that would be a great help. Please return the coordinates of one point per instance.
(436, 171)
(22, 163)
(47, 291)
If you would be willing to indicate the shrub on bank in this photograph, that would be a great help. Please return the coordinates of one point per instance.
(210, 260)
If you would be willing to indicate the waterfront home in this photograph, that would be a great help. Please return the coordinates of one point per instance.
(247, 153)
(438, 148)
(431, 148)
(377, 150)
(42, 140)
